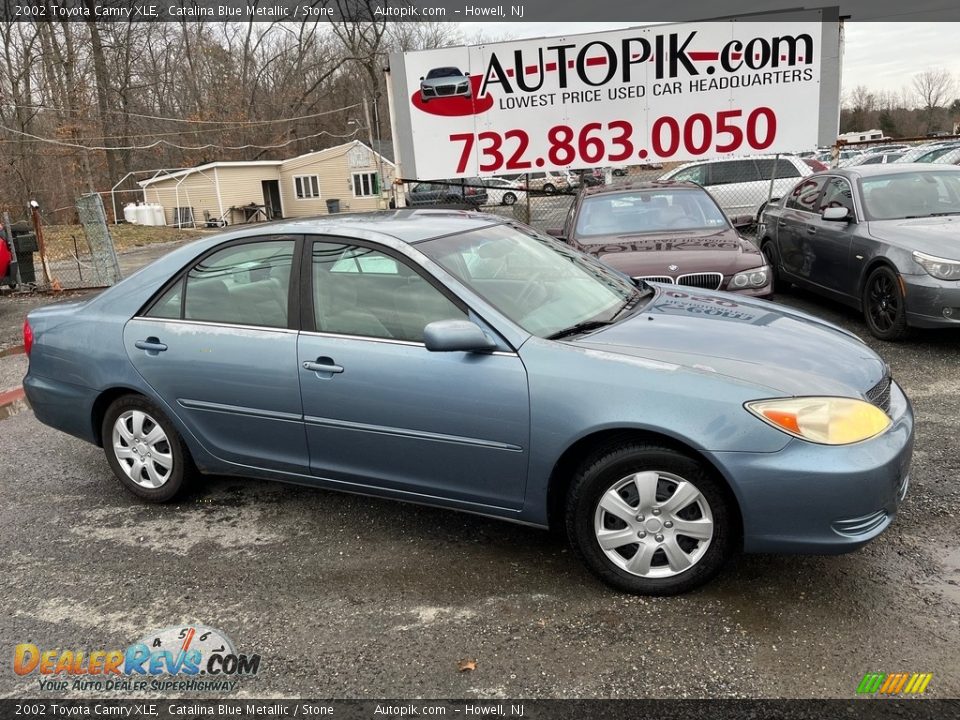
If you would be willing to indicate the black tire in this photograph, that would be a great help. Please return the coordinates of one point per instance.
(183, 469)
(509, 198)
(884, 305)
(549, 188)
(612, 466)
(772, 257)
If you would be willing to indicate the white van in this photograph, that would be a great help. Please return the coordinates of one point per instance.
(741, 185)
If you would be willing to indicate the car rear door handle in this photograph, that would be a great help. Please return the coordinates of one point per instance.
(322, 365)
(811, 230)
(781, 223)
(152, 345)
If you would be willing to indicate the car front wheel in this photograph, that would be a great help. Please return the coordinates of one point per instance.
(649, 520)
(884, 306)
(509, 198)
(549, 189)
(144, 450)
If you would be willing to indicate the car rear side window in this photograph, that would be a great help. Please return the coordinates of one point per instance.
(784, 168)
(365, 292)
(244, 284)
(734, 171)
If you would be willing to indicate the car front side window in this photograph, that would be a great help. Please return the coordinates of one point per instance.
(837, 193)
(804, 195)
(365, 292)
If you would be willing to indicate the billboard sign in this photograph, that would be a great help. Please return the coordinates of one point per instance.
(616, 98)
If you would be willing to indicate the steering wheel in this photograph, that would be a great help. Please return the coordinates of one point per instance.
(535, 282)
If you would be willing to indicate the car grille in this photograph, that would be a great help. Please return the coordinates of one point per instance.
(704, 281)
(861, 525)
(446, 90)
(879, 394)
(657, 278)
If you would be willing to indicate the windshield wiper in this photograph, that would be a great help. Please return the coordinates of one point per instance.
(581, 327)
(632, 301)
(942, 214)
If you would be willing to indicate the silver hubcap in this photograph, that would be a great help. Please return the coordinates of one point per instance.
(142, 449)
(653, 524)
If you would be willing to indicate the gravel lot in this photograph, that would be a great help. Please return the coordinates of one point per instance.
(351, 597)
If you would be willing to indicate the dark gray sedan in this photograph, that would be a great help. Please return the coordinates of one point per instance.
(884, 239)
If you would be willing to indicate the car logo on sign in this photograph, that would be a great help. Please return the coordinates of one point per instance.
(673, 268)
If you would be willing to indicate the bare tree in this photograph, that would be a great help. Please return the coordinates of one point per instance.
(933, 88)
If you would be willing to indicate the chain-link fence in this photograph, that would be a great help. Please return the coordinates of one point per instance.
(53, 256)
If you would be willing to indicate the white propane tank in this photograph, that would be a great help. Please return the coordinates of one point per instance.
(130, 212)
(142, 215)
(157, 214)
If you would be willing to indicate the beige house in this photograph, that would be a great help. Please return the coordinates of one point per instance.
(351, 176)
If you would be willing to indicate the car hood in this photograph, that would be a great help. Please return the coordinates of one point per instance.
(448, 80)
(653, 254)
(938, 236)
(787, 352)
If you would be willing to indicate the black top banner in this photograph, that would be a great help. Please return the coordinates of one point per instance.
(480, 11)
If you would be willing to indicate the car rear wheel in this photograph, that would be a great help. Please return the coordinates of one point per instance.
(509, 198)
(549, 188)
(649, 520)
(144, 450)
(884, 306)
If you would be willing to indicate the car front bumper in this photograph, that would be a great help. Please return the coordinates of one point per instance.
(819, 499)
(932, 303)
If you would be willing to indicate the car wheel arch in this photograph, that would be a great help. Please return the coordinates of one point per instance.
(600, 441)
(873, 264)
(103, 402)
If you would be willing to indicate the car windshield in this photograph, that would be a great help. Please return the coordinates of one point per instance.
(444, 72)
(912, 195)
(544, 286)
(649, 211)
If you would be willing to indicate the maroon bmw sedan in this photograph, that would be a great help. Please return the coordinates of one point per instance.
(669, 232)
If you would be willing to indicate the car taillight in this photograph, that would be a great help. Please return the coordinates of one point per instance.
(469, 191)
(27, 337)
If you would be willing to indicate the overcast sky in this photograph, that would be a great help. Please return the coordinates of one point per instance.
(881, 56)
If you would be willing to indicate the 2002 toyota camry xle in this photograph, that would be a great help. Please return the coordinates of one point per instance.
(461, 360)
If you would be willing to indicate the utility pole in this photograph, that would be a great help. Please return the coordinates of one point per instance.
(38, 229)
(375, 148)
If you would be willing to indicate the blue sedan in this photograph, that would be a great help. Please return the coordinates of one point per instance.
(464, 361)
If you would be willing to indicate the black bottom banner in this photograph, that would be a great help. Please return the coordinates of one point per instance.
(865, 709)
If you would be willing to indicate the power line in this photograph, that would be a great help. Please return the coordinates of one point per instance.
(183, 120)
(157, 143)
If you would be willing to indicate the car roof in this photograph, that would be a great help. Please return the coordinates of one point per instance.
(404, 225)
(890, 169)
(628, 185)
(783, 156)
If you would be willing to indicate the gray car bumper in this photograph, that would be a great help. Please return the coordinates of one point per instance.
(932, 303)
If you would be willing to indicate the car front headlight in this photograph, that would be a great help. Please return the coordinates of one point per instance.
(823, 420)
(940, 268)
(758, 277)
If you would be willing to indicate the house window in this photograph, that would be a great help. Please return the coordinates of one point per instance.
(306, 186)
(365, 185)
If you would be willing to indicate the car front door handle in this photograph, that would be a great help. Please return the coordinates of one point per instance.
(811, 230)
(322, 365)
(781, 224)
(152, 345)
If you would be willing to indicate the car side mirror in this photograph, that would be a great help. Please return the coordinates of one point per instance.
(557, 233)
(421, 78)
(836, 214)
(456, 336)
